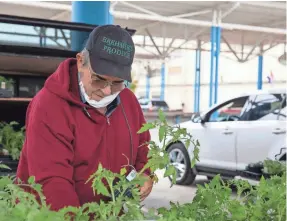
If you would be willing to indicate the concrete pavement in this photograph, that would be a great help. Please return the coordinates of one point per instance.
(162, 193)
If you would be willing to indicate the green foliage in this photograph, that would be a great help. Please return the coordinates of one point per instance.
(158, 156)
(214, 201)
(119, 207)
(11, 139)
(274, 167)
(133, 85)
(9, 82)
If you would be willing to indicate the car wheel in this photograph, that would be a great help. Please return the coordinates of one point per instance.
(179, 157)
(209, 178)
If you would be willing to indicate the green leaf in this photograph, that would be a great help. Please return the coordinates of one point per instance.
(100, 168)
(123, 171)
(187, 143)
(37, 187)
(146, 127)
(170, 171)
(161, 133)
(3, 166)
(161, 116)
(237, 211)
(31, 180)
(4, 181)
(163, 211)
(195, 156)
(102, 189)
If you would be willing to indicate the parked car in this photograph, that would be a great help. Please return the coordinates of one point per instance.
(153, 104)
(232, 135)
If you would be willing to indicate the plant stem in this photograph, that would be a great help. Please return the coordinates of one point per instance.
(110, 182)
(43, 202)
(112, 190)
(142, 170)
(164, 140)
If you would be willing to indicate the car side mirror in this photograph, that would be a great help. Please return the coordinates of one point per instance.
(202, 120)
(197, 118)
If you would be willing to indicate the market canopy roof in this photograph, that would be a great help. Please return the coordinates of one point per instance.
(244, 23)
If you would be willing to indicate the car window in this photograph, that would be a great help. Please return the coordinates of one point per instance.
(143, 102)
(159, 103)
(267, 107)
(230, 111)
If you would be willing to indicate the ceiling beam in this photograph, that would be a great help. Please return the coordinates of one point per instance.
(230, 48)
(193, 35)
(190, 14)
(229, 11)
(228, 26)
(258, 43)
(46, 5)
(151, 38)
(59, 15)
(141, 9)
(266, 4)
(154, 17)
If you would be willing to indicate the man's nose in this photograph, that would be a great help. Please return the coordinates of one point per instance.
(107, 90)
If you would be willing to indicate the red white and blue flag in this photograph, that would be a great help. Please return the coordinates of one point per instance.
(270, 77)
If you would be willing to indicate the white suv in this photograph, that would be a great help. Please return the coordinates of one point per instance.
(233, 134)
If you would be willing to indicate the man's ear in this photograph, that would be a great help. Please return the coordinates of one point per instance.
(79, 57)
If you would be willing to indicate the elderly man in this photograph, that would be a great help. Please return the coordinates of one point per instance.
(84, 116)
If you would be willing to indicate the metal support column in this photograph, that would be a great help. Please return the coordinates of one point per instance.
(214, 59)
(88, 12)
(217, 53)
(162, 85)
(147, 86)
(197, 77)
(260, 69)
(212, 45)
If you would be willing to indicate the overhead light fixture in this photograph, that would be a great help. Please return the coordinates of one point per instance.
(282, 59)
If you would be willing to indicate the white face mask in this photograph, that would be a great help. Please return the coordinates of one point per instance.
(98, 104)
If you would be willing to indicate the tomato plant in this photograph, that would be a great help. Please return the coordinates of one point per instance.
(213, 201)
(12, 140)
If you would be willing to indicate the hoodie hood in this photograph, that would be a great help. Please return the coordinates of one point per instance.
(64, 82)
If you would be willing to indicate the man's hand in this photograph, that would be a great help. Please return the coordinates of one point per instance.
(146, 188)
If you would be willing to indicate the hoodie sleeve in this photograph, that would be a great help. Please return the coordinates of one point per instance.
(49, 154)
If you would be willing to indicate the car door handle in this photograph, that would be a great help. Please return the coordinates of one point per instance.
(227, 131)
(279, 131)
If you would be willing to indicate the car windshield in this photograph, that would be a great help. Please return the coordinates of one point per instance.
(159, 103)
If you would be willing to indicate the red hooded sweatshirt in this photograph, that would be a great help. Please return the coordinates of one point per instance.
(67, 139)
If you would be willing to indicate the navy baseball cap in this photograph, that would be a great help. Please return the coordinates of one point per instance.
(111, 50)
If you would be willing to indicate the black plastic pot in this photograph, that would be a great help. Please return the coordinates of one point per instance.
(8, 161)
(6, 93)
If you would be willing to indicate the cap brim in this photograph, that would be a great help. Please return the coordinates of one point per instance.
(109, 68)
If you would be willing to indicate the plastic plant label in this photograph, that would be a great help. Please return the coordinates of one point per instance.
(131, 175)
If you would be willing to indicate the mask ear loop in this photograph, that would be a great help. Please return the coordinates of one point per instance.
(126, 83)
(131, 136)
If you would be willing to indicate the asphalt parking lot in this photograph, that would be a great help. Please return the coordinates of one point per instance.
(162, 193)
